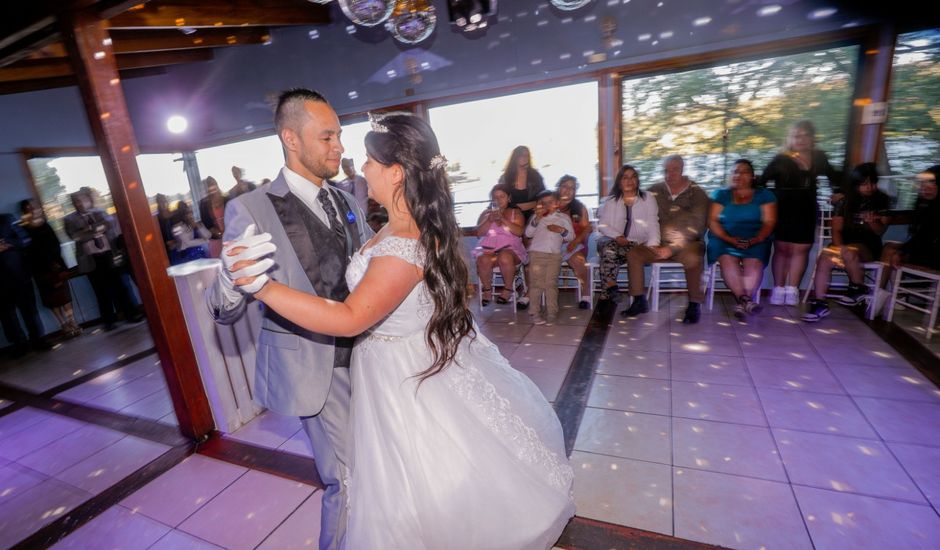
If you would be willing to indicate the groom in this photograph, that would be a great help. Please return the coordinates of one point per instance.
(315, 228)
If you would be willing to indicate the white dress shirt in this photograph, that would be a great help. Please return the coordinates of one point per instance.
(307, 192)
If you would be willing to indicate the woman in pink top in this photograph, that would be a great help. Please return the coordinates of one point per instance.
(500, 230)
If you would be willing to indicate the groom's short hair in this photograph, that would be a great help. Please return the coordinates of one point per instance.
(290, 111)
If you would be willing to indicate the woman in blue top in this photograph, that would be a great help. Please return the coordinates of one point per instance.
(740, 222)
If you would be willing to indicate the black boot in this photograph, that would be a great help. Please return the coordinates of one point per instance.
(638, 307)
(692, 313)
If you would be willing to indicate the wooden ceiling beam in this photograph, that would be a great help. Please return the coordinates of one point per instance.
(32, 24)
(158, 40)
(221, 13)
(57, 68)
(21, 86)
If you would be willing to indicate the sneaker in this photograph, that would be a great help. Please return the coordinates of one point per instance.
(551, 320)
(538, 320)
(854, 296)
(791, 295)
(584, 304)
(639, 306)
(818, 309)
(692, 313)
(522, 303)
(777, 296)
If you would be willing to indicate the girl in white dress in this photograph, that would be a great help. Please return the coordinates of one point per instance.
(451, 447)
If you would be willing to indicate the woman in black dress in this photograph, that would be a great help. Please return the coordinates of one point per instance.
(523, 181)
(44, 256)
(793, 174)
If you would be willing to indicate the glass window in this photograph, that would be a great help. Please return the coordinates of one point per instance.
(559, 126)
(716, 115)
(259, 158)
(57, 177)
(912, 131)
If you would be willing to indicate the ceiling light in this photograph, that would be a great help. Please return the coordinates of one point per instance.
(177, 124)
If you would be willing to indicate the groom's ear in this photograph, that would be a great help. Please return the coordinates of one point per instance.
(289, 139)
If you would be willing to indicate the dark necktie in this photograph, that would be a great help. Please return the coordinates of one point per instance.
(324, 197)
(626, 225)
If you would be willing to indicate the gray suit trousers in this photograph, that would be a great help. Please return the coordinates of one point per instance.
(328, 431)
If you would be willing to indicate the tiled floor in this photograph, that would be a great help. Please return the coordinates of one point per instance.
(71, 359)
(770, 434)
(773, 434)
(50, 464)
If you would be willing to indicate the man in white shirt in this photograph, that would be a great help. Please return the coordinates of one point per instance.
(314, 230)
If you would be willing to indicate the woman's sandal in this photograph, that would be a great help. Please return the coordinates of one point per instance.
(484, 291)
(502, 300)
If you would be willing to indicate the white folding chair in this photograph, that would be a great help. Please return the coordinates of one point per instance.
(873, 272)
(665, 277)
(916, 282)
(517, 282)
(567, 278)
(713, 278)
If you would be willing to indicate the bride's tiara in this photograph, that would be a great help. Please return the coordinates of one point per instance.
(377, 126)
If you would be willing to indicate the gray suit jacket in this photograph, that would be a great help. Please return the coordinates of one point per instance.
(294, 366)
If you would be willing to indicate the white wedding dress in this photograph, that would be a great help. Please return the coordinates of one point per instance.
(473, 458)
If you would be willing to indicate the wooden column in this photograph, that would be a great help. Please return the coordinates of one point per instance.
(873, 85)
(609, 117)
(92, 56)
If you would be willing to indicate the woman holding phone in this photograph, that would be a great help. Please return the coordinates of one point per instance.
(500, 229)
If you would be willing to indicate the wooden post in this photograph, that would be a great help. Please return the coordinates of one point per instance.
(872, 87)
(92, 56)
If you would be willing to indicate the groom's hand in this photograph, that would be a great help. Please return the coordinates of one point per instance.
(242, 259)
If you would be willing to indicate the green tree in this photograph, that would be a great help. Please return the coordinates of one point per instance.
(714, 115)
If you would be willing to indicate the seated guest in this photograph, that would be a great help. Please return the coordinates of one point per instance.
(740, 222)
(500, 230)
(575, 252)
(628, 219)
(858, 222)
(549, 230)
(192, 237)
(164, 217)
(212, 215)
(377, 220)
(923, 244)
(683, 214)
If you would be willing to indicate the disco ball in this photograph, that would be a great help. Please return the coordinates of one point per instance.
(412, 27)
(367, 13)
(569, 5)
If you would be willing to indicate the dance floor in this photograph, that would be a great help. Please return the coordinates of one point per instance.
(770, 434)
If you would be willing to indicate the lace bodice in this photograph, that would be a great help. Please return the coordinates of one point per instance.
(413, 313)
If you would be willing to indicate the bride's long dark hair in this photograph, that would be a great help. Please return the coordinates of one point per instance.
(408, 141)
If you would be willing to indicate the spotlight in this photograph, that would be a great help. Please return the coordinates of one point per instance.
(470, 15)
(177, 124)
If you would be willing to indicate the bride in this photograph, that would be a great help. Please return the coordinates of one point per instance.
(451, 447)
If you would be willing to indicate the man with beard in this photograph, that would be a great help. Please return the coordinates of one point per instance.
(313, 230)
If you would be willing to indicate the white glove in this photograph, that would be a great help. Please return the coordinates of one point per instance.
(256, 246)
